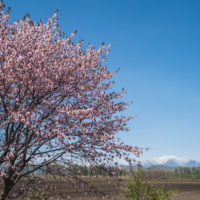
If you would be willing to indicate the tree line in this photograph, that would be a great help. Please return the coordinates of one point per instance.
(187, 172)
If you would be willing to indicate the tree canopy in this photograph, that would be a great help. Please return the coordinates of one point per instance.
(56, 102)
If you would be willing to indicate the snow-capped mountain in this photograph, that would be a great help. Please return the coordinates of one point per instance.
(171, 161)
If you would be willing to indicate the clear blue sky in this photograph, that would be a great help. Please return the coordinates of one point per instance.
(156, 44)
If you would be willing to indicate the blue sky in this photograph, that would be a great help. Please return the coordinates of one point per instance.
(156, 45)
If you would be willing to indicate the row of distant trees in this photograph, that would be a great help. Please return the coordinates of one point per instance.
(81, 170)
(186, 172)
(178, 173)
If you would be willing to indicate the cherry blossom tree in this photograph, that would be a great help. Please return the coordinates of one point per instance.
(56, 102)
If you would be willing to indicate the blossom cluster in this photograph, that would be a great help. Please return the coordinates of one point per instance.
(56, 101)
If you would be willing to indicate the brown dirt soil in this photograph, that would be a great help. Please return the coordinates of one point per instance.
(184, 191)
(188, 190)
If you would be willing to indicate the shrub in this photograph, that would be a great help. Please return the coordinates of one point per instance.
(142, 190)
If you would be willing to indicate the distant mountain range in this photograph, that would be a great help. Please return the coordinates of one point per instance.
(169, 162)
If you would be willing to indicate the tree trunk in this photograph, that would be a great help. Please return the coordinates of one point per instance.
(7, 188)
(5, 194)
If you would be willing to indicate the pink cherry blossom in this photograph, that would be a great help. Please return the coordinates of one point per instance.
(56, 101)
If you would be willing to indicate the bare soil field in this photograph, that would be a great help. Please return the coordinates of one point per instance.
(187, 190)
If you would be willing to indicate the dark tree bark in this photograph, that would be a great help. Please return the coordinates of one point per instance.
(8, 185)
